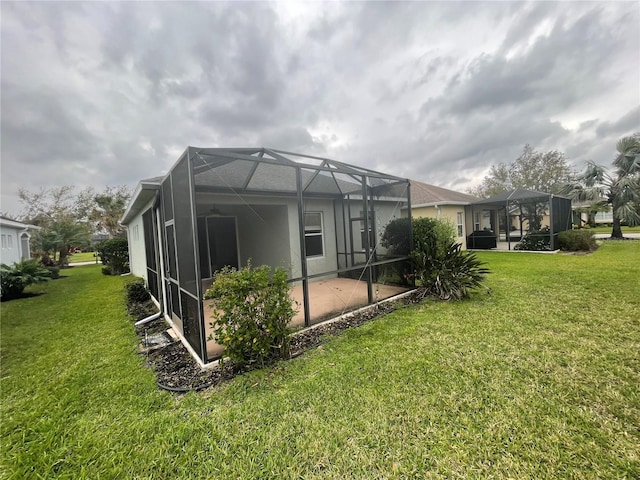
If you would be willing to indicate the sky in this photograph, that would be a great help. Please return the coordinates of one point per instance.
(109, 93)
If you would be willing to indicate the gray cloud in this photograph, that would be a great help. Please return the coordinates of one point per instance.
(109, 93)
(625, 124)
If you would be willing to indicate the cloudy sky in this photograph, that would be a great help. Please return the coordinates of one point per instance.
(96, 94)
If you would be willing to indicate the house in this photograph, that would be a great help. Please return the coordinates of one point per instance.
(16, 237)
(444, 204)
(319, 219)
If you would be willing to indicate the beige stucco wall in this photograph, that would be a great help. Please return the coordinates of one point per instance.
(447, 213)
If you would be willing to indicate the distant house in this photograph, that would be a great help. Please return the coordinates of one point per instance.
(436, 202)
(319, 219)
(15, 237)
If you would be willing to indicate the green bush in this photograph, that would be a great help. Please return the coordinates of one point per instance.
(136, 291)
(451, 275)
(425, 230)
(54, 272)
(114, 254)
(13, 280)
(138, 299)
(535, 241)
(576, 240)
(251, 314)
(107, 270)
(396, 235)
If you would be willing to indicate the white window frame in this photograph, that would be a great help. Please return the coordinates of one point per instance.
(459, 218)
(4, 241)
(315, 234)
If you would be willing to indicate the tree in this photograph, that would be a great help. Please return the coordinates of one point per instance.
(532, 170)
(63, 217)
(108, 208)
(620, 190)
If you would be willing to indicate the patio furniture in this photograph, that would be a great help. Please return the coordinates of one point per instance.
(482, 239)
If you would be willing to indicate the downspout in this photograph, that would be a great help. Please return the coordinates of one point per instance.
(148, 319)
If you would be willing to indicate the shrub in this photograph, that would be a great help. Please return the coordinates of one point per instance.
(107, 270)
(54, 272)
(251, 314)
(425, 231)
(138, 299)
(576, 240)
(13, 280)
(115, 254)
(396, 234)
(449, 276)
(136, 291)
(535, 240)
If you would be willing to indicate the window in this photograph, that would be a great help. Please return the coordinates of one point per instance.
(313, 243)
(459, 215)
(4, 241)
(10, 240)
(476, 221)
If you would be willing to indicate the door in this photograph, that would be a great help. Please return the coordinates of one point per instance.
(221, 244)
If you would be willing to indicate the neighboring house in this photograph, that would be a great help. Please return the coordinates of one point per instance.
(444, 204)
(604, 217)
(591, 213)
(16, 237)
(319, 219)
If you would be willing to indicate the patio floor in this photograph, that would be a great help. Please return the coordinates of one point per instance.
(328, 298)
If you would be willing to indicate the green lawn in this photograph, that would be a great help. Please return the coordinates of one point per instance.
(540, 379)
(82, 257)
(608, 229)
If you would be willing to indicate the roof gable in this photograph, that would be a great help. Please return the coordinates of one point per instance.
(425, 194)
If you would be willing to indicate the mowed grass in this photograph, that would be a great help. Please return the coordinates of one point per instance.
(624, 229)
(83, 257)
(539, 379)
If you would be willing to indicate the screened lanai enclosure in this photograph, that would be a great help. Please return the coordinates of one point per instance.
(503, 221)
(319, 219)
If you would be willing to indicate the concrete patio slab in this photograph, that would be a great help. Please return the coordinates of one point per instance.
(328, 298)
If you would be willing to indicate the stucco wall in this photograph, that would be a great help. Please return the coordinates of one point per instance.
(447, 213)
(268, 230)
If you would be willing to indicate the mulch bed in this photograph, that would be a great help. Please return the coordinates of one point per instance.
(176, 370)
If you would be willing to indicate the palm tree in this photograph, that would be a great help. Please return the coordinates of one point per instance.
(620, 191)
(59, 236)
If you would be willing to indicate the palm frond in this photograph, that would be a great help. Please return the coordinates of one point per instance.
(629, 213)
(627, 162)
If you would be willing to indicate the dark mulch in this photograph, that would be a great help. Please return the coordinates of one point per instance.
(176, 370)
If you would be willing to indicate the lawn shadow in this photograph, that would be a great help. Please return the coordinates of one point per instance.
(22, 295)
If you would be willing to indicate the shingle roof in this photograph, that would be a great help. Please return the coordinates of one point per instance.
(423, 193)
